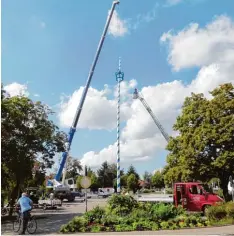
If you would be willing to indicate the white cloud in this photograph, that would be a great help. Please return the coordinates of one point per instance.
(16, 89)
(144, 18)
(99, 112)
(117, 27)
(36, 95)
(131, 150)
(140, 138)
(194, 46)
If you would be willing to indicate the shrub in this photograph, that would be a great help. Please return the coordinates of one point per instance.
(110, 220)
(142, 225)
(121, 205)
(182, 224)
(77, 224)
(95, 215)
(147, 191)
(141, 216)
(164, 211)
(173, 227)
(193, 219)
(96, 228)
(155, 227)
(169, 191)
(123, 228)
(136, 214)
(230, 209)
(222, 211)
(164, 225)
(217, 212)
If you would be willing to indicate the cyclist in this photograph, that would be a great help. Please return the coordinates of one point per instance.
(25, 204)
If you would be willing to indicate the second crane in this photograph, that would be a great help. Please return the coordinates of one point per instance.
(136, 95)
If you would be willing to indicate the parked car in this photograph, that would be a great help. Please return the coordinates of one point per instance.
(78, 194)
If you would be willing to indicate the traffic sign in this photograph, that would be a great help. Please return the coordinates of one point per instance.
(85, 182)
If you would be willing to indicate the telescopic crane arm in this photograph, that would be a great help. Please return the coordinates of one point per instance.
(136, 95)
(82, 100)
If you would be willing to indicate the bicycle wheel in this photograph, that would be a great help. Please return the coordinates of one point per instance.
(32, 225)
(17, 224)
(4, 211)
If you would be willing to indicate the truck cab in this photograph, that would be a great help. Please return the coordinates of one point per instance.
(193, 196)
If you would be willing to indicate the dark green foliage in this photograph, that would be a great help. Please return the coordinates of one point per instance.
(73, 168)
(121, 205)
(140, 217)
(123, 228)
(163, 212)
(221, 211)
(204, 148)
(132, 183)
(27, 135)
(132, 170)
(95, 215)
(157, 180)
(77, 224)
(107, 174)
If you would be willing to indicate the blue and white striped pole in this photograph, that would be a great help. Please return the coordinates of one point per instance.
(119, 77)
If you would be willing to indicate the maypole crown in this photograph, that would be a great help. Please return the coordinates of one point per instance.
(119, 74)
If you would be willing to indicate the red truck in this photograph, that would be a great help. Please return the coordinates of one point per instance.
(191, 195)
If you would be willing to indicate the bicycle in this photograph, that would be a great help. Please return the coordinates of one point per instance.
(32, 224)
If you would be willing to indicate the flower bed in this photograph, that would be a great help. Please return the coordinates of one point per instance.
(123, 214)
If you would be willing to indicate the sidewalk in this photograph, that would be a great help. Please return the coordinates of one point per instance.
(212, 231)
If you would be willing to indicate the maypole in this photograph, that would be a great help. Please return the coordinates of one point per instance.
(119, 78)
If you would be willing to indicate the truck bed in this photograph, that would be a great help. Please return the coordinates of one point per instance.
(48, 202)
(155, 198)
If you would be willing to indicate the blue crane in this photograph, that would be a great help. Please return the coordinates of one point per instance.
(82, 100)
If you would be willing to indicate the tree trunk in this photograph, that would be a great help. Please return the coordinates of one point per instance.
(14, 196)
(224, 187)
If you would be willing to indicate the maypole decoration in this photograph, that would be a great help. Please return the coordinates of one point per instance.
(119, 78)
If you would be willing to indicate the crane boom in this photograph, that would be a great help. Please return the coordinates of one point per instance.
(82, 100)
(147, 107)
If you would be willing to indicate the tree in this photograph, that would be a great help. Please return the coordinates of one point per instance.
(123, 181)
(78, 181)
(90, 172)
(132, 183)
(95, 184)
(73, 168)
(132, 170)
(27, 135)
(147, 178)
(107, 174)
(204, 148)
(157, 180)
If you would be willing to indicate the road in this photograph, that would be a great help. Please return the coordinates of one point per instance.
(50, 221)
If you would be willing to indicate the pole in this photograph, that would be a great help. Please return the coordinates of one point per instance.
(82, 100)
(232, 184)
(65, 170)
(119, 78)
(86, 203)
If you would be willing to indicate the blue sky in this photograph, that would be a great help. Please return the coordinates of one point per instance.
(49, 46)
